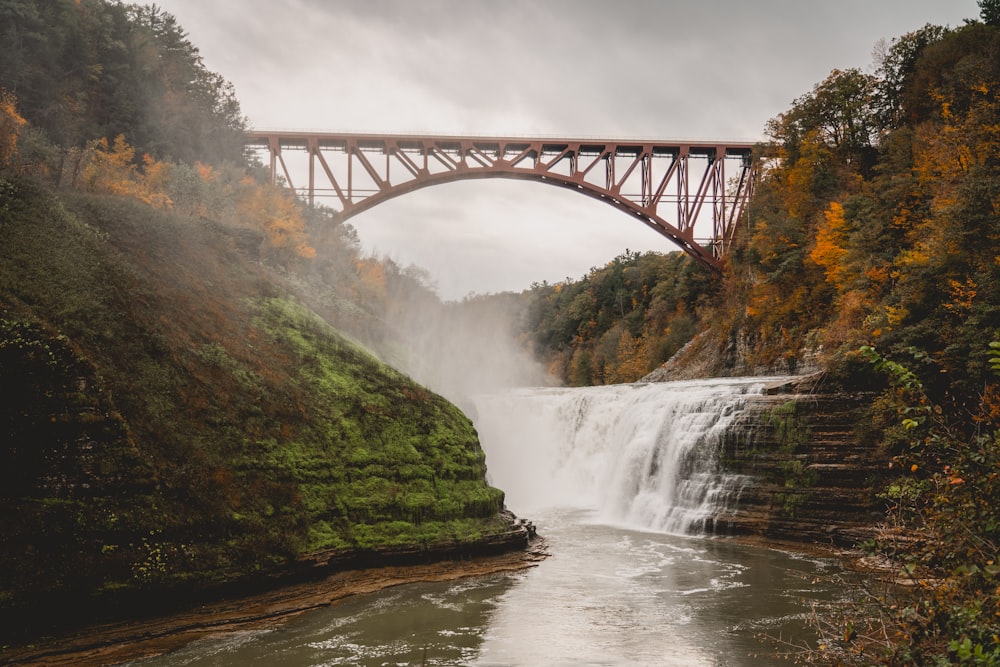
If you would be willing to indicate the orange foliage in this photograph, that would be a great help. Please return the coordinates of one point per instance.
(157, 175)
(206, 172)
(111, 169)
(948, 150)
(962, 296)
(829, 250)
(276, 211)
(878, 276)
(11, 123)
(371, 273)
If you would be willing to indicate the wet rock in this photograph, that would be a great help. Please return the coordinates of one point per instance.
(812, 476)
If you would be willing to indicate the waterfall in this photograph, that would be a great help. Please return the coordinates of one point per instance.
(640, 455)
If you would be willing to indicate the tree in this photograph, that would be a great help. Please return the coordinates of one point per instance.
(113, 169)
(11, 124)
(840, 112)
(86, 69)
(989, 10)
(829, 249)
(897, 62)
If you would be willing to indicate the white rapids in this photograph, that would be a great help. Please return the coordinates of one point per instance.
(643, 456)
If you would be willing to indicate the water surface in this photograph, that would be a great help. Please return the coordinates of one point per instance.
(607, 596)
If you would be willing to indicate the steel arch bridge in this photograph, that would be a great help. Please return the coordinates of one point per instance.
(671, 186)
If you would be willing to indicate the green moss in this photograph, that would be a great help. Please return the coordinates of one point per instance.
(792, 432)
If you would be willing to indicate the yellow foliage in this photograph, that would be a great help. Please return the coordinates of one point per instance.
(947, 151)
(914, 257)
(894, 315)
(631, 359)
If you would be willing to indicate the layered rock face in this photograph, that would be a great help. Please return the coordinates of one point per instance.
(810, 475)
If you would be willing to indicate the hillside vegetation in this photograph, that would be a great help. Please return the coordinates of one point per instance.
(174, 419)
(172, 416)
(874, 239)
(871, 250)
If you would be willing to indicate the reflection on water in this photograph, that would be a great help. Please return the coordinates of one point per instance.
(608, 596)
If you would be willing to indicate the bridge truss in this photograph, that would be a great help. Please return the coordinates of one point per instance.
(694, 193)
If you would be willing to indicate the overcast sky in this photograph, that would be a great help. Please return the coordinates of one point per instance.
(657, 69)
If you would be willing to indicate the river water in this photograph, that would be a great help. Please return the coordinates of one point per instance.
(621, 481)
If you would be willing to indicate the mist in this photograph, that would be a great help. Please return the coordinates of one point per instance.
(456, 348)
(464, 348)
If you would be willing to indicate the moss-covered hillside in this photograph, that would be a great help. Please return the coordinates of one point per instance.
(171, 420)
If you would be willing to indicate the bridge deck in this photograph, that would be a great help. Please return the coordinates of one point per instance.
(634, 175)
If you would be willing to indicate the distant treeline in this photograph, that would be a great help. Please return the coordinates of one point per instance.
(620, 321)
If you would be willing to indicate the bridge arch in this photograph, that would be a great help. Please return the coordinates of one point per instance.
(672, 187)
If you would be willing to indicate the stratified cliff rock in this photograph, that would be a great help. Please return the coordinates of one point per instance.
(812, 474)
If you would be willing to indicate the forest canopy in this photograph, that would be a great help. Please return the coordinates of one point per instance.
(89, 69)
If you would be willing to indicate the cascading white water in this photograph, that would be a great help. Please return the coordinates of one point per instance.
(640, 455)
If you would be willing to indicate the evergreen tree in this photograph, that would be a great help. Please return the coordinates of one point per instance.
(990, 12)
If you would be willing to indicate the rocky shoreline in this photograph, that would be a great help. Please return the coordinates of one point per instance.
(117, 642)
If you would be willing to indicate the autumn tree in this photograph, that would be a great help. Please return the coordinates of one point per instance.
(112, 168)
(276, 212)
(11, 124)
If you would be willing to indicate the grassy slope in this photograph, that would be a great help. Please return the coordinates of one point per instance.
(174, 418)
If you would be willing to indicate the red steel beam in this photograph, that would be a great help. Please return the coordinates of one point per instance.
(636, 177)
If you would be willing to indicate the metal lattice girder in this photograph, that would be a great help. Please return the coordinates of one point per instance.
(672, 186)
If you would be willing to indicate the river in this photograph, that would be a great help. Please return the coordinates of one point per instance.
(621, 481)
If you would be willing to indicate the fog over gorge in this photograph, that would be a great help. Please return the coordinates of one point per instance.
(467, 348)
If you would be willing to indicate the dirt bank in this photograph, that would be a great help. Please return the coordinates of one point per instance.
(118, 642)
